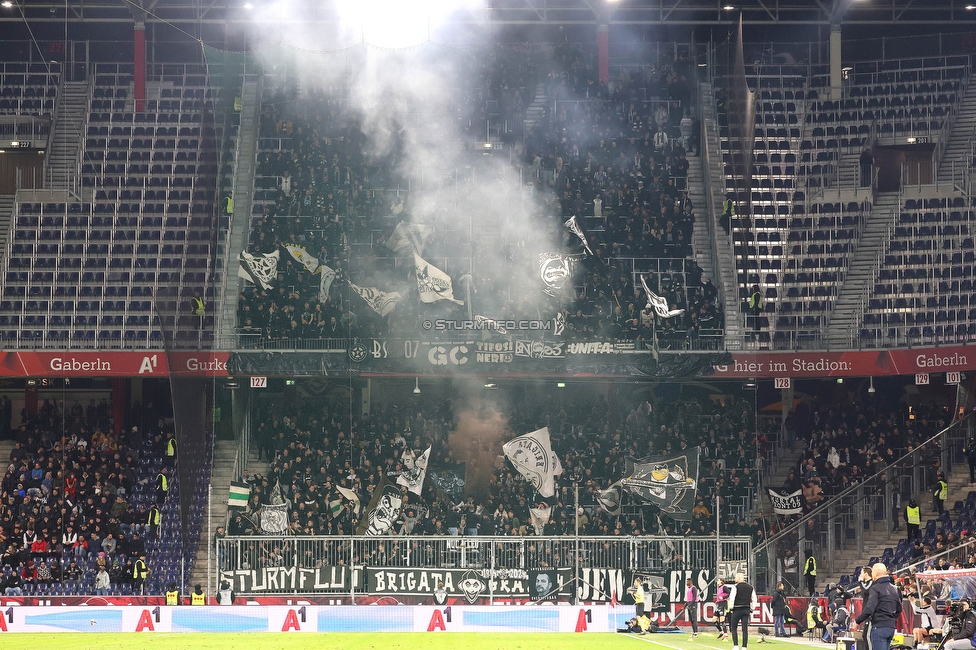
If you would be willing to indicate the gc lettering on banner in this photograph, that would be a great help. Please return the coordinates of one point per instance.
(952, 378)
(781, 382)
(922, 379)
(259, 382)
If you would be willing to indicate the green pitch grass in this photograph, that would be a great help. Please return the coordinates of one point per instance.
(373, 641)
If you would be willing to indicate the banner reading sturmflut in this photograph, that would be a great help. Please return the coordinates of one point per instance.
(786, 504)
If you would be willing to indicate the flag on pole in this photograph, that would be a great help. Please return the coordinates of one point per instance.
(381, 301)
(540, 517)
(432, 283)
(303, 257)
(409, 238)
(350, 495)
(532, 456)
(609, 499)
(668, 482)
(327, 275)
(659, 303)
(556, 271)
(383, 510)
(274, 518)
(574, 227)
(261, 269)
(239, 495)
(413, 479)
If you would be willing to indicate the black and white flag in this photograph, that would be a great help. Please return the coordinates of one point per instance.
(274, 518)
(574, 227)
(556, 271)
(486, 323)
(533, 457)
(668, 482)
(786, 503)
(413, 478)
(327, 275)
(383, 510)
(382, 302)
(659, 304)
(409, 238)
(303, 257)
(432, 283)
(261, 269)
(609, 499)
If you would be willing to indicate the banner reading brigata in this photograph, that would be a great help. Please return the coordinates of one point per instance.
(856, 363)
(470, 584)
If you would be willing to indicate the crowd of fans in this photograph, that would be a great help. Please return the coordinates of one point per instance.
(316, 448)
(616, 157)
(76, 499)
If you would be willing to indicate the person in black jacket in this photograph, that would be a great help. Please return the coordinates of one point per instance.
(963, 639)
(780, 610)
(882, 607)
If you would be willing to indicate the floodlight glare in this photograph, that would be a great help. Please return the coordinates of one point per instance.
(248, 6)
(399, 23)
(6, 4)
(968, 7)
(728, 7)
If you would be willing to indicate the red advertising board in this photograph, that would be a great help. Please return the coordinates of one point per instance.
(855, 363)
(112, 364)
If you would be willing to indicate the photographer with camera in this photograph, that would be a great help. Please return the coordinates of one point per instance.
(960, 614)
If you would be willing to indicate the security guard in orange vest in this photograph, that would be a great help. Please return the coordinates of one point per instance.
(198, 597)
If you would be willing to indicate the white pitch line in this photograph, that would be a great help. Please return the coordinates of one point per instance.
(644, 638)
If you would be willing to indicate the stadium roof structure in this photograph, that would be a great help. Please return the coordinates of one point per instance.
(529, 12)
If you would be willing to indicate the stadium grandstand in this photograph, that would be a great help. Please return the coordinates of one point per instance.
(593, 291)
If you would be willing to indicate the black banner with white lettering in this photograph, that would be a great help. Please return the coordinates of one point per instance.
(786, 503)
(333, 579)
(499, 357)
(470, 584)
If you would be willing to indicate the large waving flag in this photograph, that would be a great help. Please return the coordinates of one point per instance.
(609, 499)
(327, 275)
(432, 283)
(413, 479)
(556, 271)
(533, 457)
(303, 257)
(382, 302)
(668, 482)
(659, 303)
(409, 238)
(261, 269)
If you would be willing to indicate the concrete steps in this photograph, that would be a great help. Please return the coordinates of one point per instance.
(224, 465)
(240, 221)
(725, 273)
(955, 158)
(845, 318)
(701, 238)
(536, 111)
(62, 155)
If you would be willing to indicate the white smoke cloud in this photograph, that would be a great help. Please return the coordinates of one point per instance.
(409, 105)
